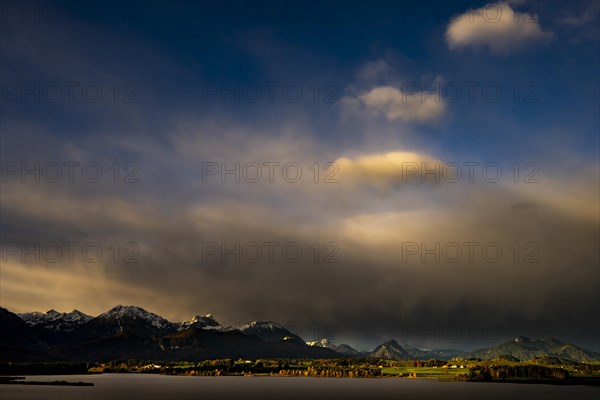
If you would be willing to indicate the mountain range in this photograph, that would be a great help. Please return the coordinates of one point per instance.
(341, 348)
(130, 332)
(523, 348)
(56, 321)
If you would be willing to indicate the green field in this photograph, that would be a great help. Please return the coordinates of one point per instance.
(424, 372)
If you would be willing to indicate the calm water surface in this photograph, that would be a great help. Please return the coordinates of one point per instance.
(160, 387)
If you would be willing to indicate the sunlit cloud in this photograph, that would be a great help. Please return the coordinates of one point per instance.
(496, 26)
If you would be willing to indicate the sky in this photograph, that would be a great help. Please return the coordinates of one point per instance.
(362, 171)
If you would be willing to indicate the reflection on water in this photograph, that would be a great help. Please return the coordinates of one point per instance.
(160, 387)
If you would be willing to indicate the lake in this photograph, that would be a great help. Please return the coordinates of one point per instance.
(161, 387)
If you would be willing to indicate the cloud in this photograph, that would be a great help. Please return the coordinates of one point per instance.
(405, 106)
(496, 26)
(392, 168)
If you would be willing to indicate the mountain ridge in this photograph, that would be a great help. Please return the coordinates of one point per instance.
(341, 348)
(133, 332)
(55, 320)
(523, 348)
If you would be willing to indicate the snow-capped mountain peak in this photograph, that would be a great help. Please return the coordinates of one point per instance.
(54, 320)
(202, 322)
(137, 313)
(262, 325)
(269, 331)
(205, 318)
(341, 348)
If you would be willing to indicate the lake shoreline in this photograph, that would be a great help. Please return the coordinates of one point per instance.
(12, 380)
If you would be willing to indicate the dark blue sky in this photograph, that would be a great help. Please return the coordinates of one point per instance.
(170, 50)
